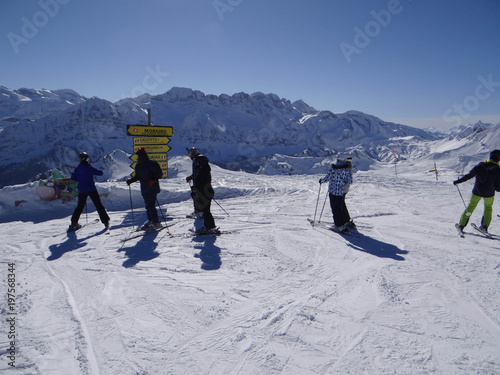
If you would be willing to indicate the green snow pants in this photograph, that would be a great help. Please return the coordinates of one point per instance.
(488, 210)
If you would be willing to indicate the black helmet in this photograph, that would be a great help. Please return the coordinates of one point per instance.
(192, 152)
(495, 155)
(83, 157)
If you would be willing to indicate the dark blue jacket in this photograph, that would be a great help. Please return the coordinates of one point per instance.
(147, 172)
(84, 175)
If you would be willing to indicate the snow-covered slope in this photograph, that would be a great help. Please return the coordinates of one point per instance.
(277, 296)
(460, 151)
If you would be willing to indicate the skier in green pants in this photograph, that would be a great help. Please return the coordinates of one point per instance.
(487, 176)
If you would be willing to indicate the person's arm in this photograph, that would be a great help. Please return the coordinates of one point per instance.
(327, 177)
(96, 172)
(468, 176)
(132, 180)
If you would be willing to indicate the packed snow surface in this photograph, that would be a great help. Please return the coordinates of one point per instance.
(276, 296)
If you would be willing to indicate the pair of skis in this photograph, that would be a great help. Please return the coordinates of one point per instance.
(193, 234)
(331, 228)
(485, 234)
(145, 232)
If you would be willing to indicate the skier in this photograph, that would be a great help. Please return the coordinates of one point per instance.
(339, 177)
(198, 211)
(487, 176)
(148, 172)
(202, 191)
(84, 175)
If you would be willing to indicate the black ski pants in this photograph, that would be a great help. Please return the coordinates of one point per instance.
(203, 203)
(149, 197)
(339, 210)
(82, 200)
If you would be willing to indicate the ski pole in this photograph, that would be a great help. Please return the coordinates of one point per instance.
(465, 205)
(164, 218)
(86, 214)
(131, 206)
(159, 207)
(321, 214)
(317, 201)
(220, 206)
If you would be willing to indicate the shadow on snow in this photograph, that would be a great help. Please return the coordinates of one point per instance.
(209, 252)
(142, 251)
(72, 243)
(374, 247)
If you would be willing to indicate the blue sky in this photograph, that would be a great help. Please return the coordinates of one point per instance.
(416, 62)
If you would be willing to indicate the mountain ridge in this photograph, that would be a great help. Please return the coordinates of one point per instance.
(47, 129)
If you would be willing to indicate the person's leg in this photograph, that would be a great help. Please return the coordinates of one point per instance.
(150, 202)
(196, 204)
(345, 212)
(103, 215)
(82, 199)
(488, 211)
(208, 219)
(336, 203)
(464, 220)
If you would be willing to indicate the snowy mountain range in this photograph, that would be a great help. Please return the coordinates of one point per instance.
(45, 129)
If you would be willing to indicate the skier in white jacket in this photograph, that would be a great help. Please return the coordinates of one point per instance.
(339, 178)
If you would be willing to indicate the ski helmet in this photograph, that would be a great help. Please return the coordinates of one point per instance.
(83, 157)
(192, 152)
(495, 155)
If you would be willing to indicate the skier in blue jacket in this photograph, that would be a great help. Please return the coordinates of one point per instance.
(339, 178)
(84, 175)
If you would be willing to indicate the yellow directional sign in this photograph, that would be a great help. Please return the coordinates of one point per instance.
(152, 148)
(151, 131)
(157, 157)
(164, 171)
(141, 141)
(163, 165)
(154, 140)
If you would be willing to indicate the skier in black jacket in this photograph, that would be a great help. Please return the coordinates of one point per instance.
(148, 172)
(202, 191)
(487, 176)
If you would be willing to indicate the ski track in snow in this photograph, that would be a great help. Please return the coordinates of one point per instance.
(406, 296)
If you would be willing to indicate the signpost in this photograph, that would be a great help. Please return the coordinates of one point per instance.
(140, 141)
(157, 157)
(154, 140)
(435, 170)
(150, 131)
(152, 148)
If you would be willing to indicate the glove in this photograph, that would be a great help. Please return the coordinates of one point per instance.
(189, 178)
(129, 181)
(456, 182)
(320, 180)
